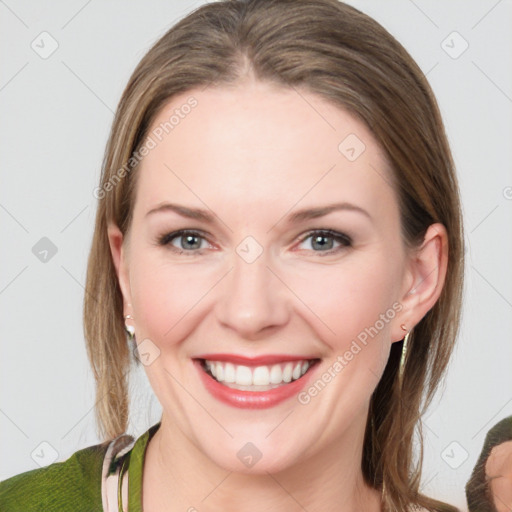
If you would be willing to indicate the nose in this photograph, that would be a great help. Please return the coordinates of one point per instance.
(254, 301)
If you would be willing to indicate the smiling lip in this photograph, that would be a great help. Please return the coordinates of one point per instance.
(254, 361)
(253, 399)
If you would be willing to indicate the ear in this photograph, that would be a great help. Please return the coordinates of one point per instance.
(120, 260)
(424, 279)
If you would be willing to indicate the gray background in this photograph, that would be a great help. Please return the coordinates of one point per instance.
(55, 116)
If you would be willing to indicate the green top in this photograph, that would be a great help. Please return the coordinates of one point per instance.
(80, 482)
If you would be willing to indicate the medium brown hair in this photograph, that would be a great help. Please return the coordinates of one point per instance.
(342, 55)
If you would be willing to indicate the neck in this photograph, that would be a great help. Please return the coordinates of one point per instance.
(178, 476)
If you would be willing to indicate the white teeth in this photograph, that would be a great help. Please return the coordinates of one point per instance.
(287, 372)
(261, 376)
(265, 376)
(276, 374)
(229, 373)
(243, 376)
(296, 371)
(219, 372)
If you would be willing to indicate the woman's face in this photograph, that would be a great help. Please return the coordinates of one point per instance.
(256, 289)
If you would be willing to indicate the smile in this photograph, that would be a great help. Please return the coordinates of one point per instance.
(259, 378)
(254, 383)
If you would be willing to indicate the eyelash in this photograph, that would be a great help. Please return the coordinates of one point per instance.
(345, 240)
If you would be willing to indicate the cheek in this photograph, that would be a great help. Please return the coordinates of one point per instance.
(166, 296)
(348, 299)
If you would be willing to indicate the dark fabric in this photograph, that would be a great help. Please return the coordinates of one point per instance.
(477, 490)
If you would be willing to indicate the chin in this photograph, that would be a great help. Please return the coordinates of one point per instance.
(250, 460)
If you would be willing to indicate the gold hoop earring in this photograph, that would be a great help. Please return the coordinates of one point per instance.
(404, 353)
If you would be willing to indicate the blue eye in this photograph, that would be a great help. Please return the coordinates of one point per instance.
(191, 241)
(319, 237)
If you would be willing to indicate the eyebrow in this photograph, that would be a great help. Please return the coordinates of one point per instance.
(296, 217)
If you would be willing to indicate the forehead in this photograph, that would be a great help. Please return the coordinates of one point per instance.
(259, 144)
